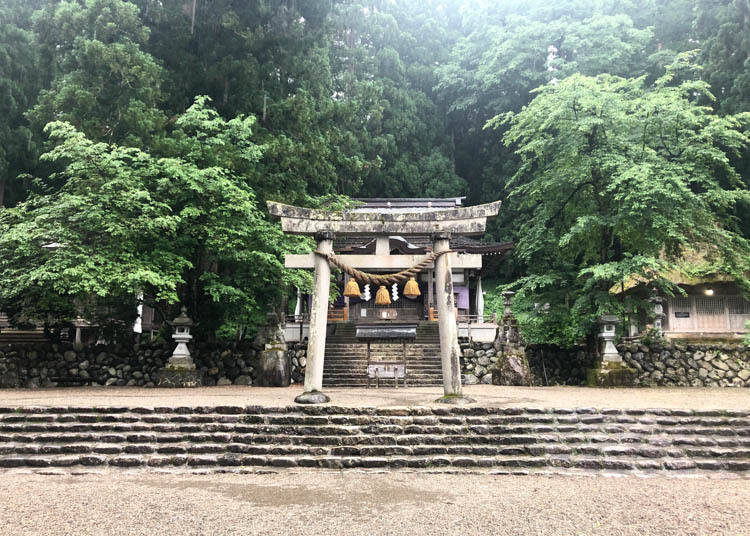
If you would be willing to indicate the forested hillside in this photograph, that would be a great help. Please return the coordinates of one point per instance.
(144, 137)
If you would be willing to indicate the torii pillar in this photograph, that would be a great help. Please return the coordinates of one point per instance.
(316, 342)
(450, 357)
(439, 224)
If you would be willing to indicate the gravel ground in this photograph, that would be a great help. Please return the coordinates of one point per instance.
(367, 504)
(486, 395)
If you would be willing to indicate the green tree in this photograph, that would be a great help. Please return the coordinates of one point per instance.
(618, 180)
(19, 85)
(384, 58)
(723, 30)
(183, 228)
(101, 80)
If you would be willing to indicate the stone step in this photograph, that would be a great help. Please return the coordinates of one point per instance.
(343, 427)
(347, 350)
(367, 449)
(362, 378)
(359, 342)
(579, 439)
(336, 339)
(531, 444)
(355, 348)
(384, 383)
(402, 425)
(471, 414)
(363, 355)
(362, 375)
(335, 354)
(385, 461)
(362, 366)
(421, 360)
(411, 376)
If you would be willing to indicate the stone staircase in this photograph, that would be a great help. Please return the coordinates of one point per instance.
(14, 336)
(495, 440)
(346, 357)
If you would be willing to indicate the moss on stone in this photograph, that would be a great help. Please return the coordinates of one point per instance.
(611, 374)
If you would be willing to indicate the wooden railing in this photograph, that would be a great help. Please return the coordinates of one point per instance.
(338, 314)
(433, 316)
(477, 319)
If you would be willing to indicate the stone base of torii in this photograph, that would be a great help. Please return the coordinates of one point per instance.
(439, 224)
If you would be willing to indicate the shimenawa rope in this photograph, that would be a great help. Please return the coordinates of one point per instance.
(382, 279)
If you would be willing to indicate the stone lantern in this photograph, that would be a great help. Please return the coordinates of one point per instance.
(181, 354)
(180, 370)
(509, 324)
(508, 297)
(608, 332)
(612, 372)
(659, 315)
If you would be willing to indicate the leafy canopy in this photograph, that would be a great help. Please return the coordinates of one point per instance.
(617, 180)
(125, 222)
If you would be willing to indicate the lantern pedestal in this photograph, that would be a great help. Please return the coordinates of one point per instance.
(611, 374)
(178, 377)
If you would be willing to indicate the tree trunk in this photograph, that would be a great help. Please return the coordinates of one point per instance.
(192, 18)
(2, 192)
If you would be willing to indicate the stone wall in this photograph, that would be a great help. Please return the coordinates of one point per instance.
(685, 364)
(298, 356)
(50, 365)
(657, 364)
(543, 365)
(551, 365)
(477, 362)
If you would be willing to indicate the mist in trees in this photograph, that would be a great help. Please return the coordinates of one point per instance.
(365, 98)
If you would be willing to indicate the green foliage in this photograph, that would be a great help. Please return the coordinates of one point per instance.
(315, 101)
(124, 222)
(618, 180)
(19, 85)
(104, 83)
(724, 31)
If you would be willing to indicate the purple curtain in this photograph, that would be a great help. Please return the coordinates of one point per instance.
(462, 297)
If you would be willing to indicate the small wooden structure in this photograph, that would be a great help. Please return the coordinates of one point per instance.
(707, 310)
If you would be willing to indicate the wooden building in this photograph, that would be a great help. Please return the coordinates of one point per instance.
(467, 270)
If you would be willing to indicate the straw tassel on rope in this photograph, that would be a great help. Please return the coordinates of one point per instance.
(382, 279)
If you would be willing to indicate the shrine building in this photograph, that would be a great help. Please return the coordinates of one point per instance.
(409, 277)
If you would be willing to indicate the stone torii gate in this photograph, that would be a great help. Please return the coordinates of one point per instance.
(440, 225)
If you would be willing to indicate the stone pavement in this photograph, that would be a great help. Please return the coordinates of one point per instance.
(486, 396)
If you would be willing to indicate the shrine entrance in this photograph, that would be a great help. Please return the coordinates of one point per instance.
(439, 224)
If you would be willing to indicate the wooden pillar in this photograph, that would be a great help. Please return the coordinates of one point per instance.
(480, 300)
(449, 349)
(431, 288)
(316, 342)
(298, 305)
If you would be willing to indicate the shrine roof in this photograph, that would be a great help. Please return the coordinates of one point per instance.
(406, 204)
(418, 245)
